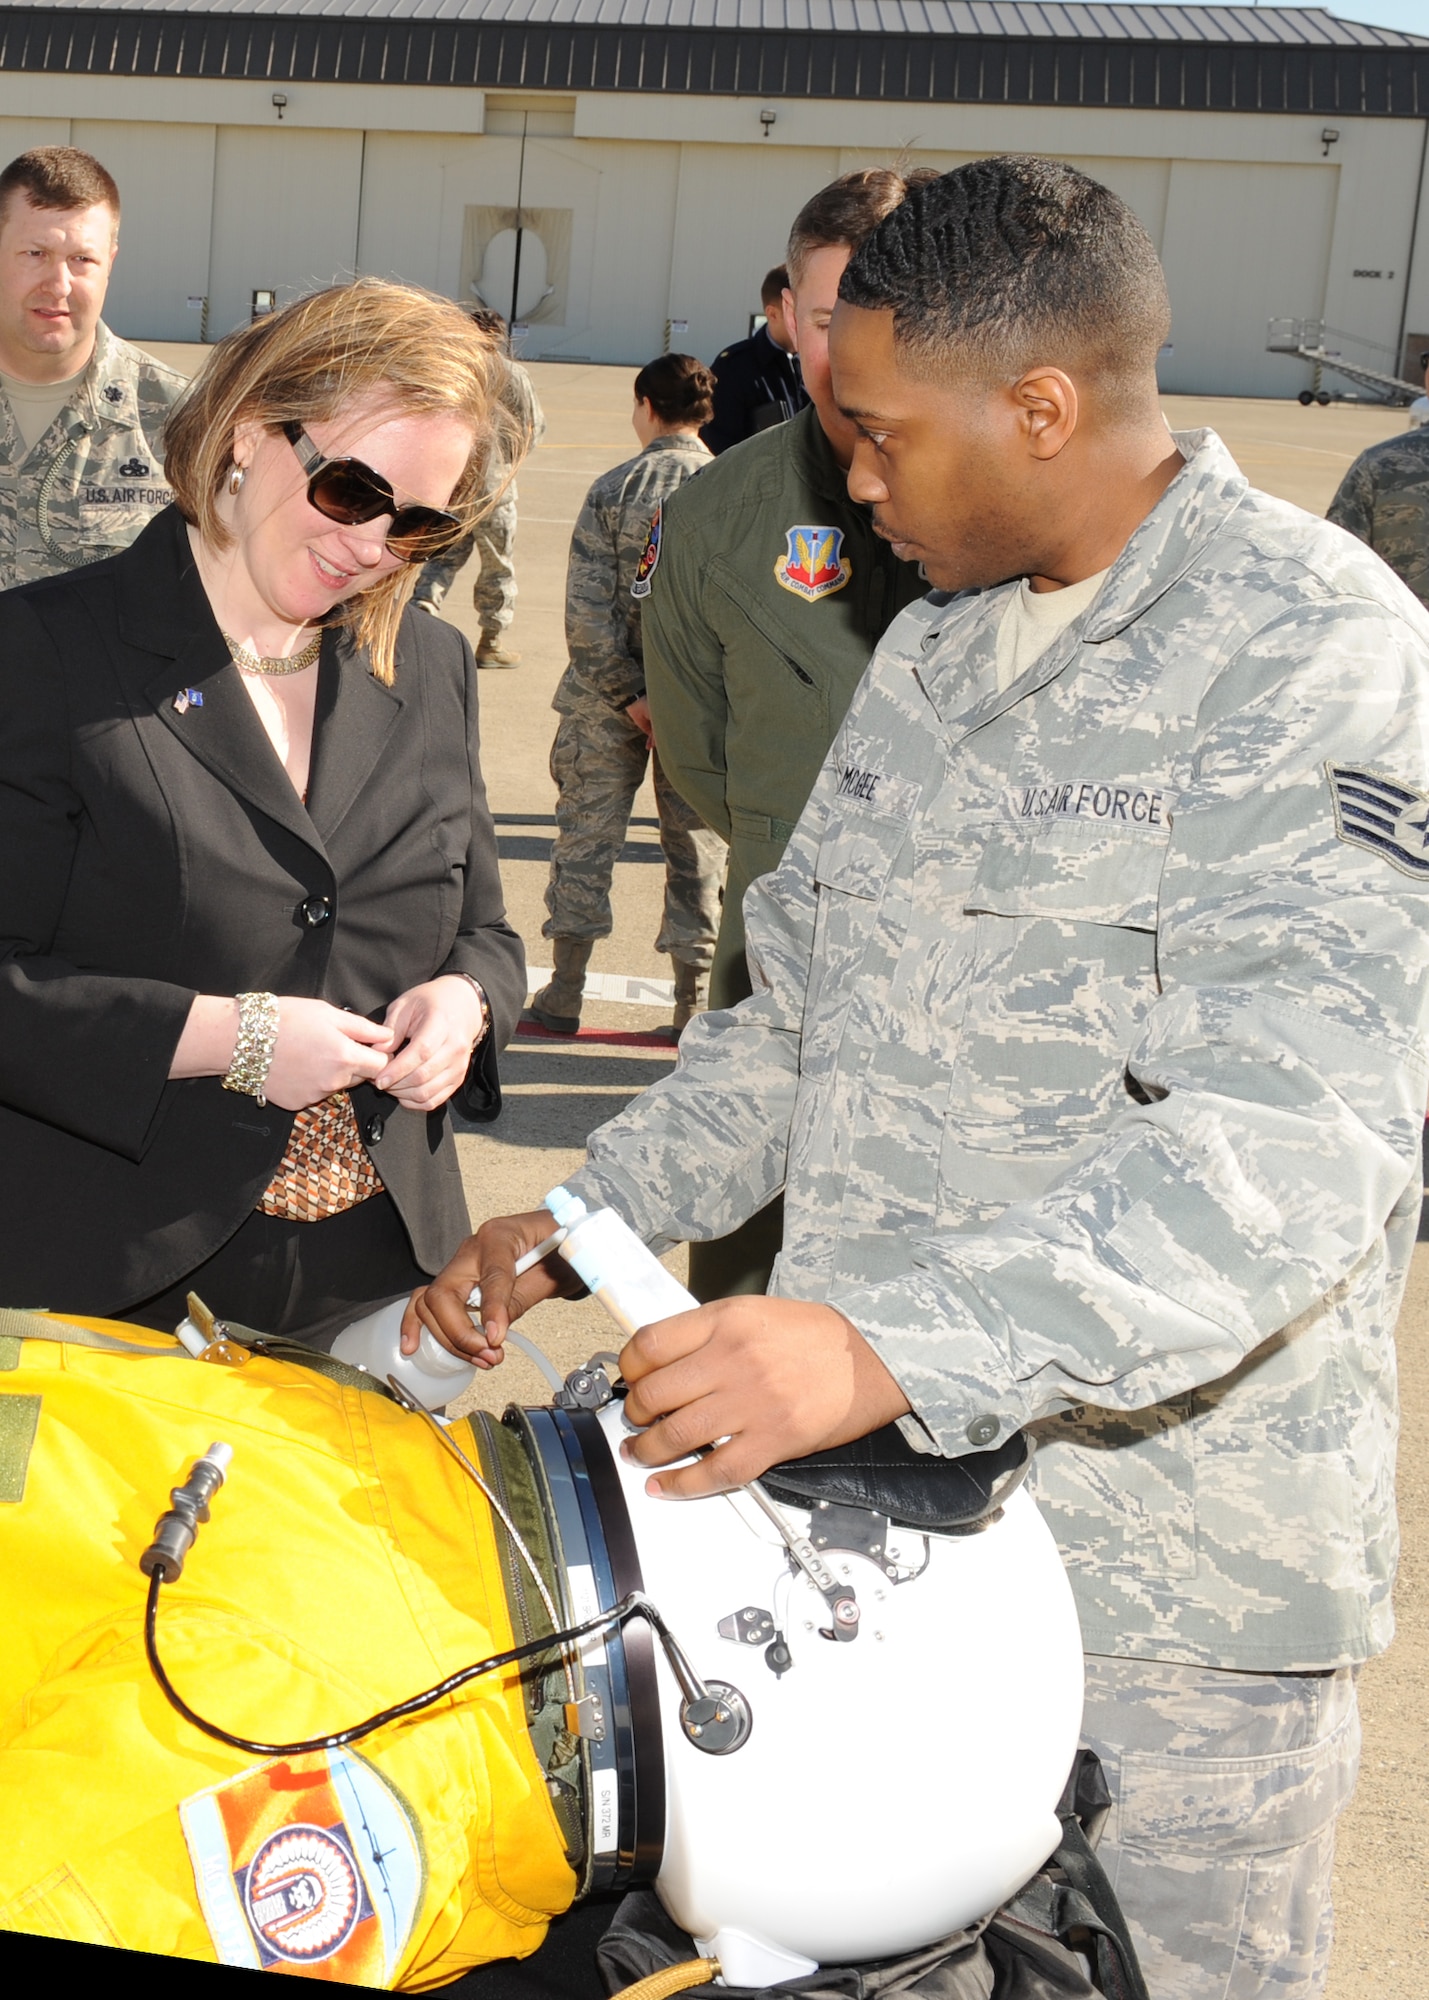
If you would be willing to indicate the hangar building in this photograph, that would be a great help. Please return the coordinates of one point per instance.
(653, 152)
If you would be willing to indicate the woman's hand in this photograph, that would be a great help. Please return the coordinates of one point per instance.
(319, 1049)
(434, 1028)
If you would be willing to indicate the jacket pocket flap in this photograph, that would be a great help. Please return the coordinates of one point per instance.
(1241, 1804)
(857, 853)
(1083, 875)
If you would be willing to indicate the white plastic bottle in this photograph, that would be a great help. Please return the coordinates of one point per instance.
(433, 1376)
(629, 1280)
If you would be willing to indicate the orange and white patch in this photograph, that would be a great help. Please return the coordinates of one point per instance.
(310, 1865)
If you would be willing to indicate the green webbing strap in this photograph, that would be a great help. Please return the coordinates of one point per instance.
(30, 1326)
(277, 1348)
(18, 1326)
(19, 1418)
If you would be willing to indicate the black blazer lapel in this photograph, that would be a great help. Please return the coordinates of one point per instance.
(223, 732)
(355, 717)
(164, 610)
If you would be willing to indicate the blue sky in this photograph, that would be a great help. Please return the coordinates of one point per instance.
(1411, 16)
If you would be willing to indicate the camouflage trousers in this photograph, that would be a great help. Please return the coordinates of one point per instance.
(494, 592)
(1221, 1839)
(598, 761)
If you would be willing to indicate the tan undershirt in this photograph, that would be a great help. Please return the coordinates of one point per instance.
(1034, 618)
(35, 405)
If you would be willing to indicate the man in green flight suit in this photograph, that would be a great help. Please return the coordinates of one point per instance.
(769, 592)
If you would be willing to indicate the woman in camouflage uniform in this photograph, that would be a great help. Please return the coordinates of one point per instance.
(603, 742)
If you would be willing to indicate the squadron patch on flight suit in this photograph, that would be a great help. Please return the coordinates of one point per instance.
(308, 1865)
(1389, 818)
(649, 558)
(813, 565)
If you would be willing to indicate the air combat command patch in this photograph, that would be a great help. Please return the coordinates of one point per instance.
(1389, 818)
(813, 565)
(649, 558)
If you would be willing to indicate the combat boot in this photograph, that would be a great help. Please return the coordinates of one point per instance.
(692, 993)
(558, 1004)
(496, 653)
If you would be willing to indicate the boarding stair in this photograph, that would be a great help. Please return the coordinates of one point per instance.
(1306, 338)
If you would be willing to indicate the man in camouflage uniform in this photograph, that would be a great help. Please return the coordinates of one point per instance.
(1090, 1041)
(1384, 499)
(603, 744)
(494, 537)
(81, 412)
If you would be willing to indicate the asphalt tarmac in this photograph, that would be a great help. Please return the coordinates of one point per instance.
(558, 1091)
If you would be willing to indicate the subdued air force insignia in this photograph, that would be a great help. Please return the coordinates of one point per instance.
(1383, 815)
(813, 565)
(649, 558)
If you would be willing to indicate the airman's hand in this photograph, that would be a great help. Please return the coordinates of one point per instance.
(775, 1378)
(488, 1260)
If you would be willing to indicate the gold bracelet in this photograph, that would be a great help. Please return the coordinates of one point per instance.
(480, 992)
(253, 1050)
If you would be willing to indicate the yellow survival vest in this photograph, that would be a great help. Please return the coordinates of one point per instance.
(349, 1563)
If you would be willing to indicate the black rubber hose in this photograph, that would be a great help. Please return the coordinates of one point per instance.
(530, 1650)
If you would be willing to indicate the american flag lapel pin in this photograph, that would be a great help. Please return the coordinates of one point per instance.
(187, 698)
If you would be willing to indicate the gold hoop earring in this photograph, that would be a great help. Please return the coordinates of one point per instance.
(236, 479)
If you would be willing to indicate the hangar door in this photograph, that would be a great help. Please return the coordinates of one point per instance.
(165, 176)
(285, 208)
(1243, 244)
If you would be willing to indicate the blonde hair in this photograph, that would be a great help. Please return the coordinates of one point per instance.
(305, 365)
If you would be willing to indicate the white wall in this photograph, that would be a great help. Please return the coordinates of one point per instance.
(285, 205)
(1241, 247)
(732, 225)
(679, 204)
(158, 269)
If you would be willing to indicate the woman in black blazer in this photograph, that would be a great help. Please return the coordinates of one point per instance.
(251, 928)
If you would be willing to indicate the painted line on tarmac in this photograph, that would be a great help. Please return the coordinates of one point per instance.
(611, 1038)
(624, 988)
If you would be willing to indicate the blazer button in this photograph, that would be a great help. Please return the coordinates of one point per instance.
(315, 911)
(374, 1128)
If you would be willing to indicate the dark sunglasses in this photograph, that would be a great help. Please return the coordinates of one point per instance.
(346, 490)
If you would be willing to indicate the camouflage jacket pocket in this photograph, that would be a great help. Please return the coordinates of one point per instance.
(1220, 1806)
(1080, 874)
(856, 854)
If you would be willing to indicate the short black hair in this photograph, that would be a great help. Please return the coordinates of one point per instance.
(776, 283)
(678, 388)
(1005, 263)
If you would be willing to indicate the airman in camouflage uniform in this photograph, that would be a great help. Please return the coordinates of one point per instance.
(494, 592)
(1088, 1042)
(96, 477)
(599, 756)
(1384, 499)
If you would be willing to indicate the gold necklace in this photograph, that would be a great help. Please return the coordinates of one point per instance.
(255, 663)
